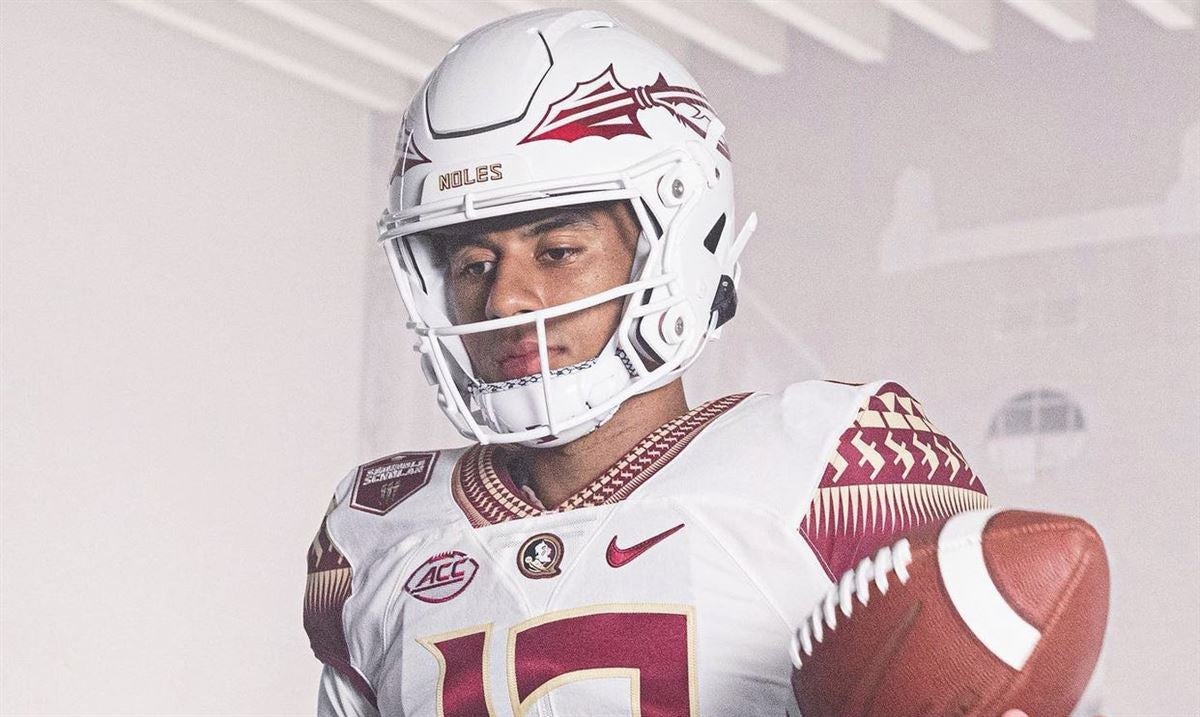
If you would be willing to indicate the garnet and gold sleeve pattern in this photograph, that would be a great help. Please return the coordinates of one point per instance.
(890, 471)
(327, 589)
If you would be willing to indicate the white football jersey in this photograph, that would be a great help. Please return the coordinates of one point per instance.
(668, 587)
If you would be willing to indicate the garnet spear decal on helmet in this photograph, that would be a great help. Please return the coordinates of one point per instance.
(407, 156)
(603, 107)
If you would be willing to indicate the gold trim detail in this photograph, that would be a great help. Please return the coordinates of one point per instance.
(486, 499)
(430, 643)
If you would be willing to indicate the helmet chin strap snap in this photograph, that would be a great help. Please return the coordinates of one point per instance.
(725, 301)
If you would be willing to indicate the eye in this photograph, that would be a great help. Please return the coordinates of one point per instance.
(472, 262)
(478, 268)
(560, 253)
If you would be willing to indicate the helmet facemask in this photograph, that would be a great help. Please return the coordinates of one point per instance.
(550, 406)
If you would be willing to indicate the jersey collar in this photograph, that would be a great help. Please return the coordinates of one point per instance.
(487, 495)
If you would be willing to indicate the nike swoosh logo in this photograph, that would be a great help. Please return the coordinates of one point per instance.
(619, 556)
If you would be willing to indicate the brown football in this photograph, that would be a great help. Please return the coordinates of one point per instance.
(989, 611)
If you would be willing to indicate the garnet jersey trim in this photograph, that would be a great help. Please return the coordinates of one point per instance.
(326, 592)
(891, 471)
(487, 496)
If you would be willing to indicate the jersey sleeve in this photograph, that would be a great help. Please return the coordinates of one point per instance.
(328, 588)
(890, 471)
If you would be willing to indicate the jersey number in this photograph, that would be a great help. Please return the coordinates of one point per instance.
(650, 645)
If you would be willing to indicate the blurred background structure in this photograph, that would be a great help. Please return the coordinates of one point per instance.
(995, 202)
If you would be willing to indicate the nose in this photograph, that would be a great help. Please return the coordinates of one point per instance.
(515, 290)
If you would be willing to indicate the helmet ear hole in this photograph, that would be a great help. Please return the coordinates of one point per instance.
(643, 333)
(654, 224)
(714, 235)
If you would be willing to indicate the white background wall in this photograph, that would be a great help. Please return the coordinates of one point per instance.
(185, 240)
(199, 338)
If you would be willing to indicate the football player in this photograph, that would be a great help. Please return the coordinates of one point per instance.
(562, 231)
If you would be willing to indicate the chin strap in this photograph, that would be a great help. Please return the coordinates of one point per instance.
(520, 404)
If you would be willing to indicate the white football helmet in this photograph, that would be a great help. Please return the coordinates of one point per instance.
(555, 108)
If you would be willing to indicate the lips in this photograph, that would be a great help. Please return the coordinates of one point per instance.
(521, 359)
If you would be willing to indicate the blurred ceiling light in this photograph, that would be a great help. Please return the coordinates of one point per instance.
(247, 48)
(1071, 20)
(1171, 14)
(858, 30)
(322, 27)
(965, 24)
(704, 32)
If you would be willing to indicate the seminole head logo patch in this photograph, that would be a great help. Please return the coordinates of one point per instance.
(539, 557)
(384, 484)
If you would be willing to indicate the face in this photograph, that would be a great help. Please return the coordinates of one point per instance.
(532, 261)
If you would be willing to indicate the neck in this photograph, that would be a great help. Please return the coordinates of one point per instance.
(555, 474)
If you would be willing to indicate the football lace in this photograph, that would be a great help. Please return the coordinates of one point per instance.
(854, 586)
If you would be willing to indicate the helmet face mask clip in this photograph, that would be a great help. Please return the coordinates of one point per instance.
(585, 135)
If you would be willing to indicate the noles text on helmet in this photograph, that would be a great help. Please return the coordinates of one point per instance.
(556, 109)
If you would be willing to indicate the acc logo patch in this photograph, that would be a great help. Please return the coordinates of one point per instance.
(442, 577)
(540, 556)
(384, 484)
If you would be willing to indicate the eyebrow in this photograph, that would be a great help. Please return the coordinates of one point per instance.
(562, 220)
(447, 246)
(566, 218)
